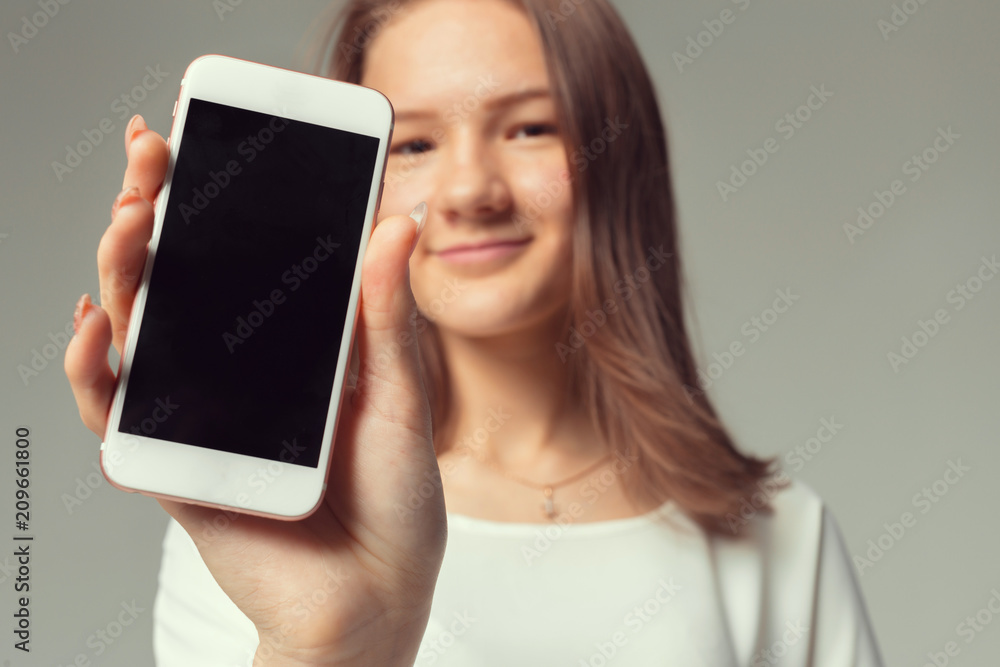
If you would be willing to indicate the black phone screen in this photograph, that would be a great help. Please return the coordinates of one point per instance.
(238, 344)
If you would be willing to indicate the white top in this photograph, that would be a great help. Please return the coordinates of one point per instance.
(649, 590)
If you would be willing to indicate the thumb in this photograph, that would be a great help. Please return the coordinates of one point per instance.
(387, 355)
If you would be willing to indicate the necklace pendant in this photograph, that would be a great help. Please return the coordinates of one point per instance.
(549, 507)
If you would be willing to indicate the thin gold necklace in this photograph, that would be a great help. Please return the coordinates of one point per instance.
(548, 505)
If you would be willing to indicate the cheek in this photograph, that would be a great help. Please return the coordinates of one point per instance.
(543, 195)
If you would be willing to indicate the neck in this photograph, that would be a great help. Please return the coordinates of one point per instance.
(509, 401)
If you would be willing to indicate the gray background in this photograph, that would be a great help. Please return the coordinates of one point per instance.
(825, 357)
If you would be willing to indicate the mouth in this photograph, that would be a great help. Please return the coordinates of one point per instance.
(482, 252)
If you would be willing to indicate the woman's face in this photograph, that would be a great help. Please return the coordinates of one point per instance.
(476, 137)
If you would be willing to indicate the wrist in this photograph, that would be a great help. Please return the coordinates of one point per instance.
(392, 641)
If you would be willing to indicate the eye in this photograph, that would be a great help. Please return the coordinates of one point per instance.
(535, 130)
(414, 147)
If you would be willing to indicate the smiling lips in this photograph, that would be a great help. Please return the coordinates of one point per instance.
(481, 252)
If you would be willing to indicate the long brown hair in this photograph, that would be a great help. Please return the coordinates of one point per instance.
(630, 360)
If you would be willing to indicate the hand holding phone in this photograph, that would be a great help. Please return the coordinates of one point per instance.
(383, 452)
(235, 364)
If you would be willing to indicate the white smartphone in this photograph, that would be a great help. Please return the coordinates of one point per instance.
(234, 366)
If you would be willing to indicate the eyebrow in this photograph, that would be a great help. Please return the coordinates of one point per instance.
(489, 102)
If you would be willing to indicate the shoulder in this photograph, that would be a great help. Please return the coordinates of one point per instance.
(792, 573)
(777, 519)
(781, 533)
(768, 574)
(797, 519)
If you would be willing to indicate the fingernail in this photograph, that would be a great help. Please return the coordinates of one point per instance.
(83, 308)
(418, 214)
(135, 126)
(126, 196)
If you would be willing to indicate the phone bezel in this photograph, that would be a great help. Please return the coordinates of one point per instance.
(226, 480)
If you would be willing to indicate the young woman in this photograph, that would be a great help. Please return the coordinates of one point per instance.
(528, 365)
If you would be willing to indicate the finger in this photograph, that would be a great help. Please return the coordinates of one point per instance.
(354, 366)
(386, 359)
(121, 256)
(86, 366)
(147, 159)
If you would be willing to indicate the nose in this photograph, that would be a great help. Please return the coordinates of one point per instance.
(471, 183)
